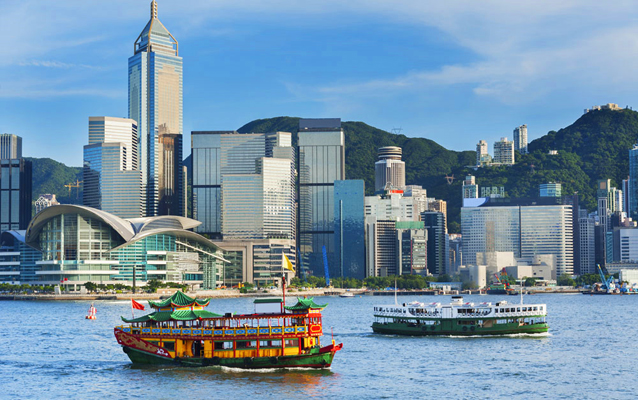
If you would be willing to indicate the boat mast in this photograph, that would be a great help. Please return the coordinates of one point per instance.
(396, 302)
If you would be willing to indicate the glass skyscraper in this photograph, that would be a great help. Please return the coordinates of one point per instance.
(321, 152)
(155, 102)
(349, 237)
(15, 193)
(112, 179)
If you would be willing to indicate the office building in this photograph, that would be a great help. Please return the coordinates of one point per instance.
(625, 195)
(419, 197)
(18, 262)
(259, 205)
(412, 247)
(525, 227)
(155, 101)
(112, 179)
(470, 188)
(381, 247)
(321, 152)
(520, 139)
(232, 159)
(15, 193)
(504, 152)
(389, 171)
(10, 146)
(633, 182)
(350, 252)
(482, 157)
(80, 244)
(44, 201)
(391, 206)
(437, 249)
(550, 189)
(439, 206)
(625, 245)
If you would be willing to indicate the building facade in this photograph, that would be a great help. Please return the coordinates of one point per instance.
(389, 171)
(15, 193)
(437, 249)
(44, 201)
(504, 152)
(349, 236)
(520, 139)
(482, 157)
(10, 146)
(633, 182)
(525, 227)
(470, 188)
(112, 179)
(155, 84)
(321, 152)
(391, 206)
(550, 189)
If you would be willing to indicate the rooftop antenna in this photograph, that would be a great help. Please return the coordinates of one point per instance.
(153, 9)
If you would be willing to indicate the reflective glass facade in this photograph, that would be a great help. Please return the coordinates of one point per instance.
(489, 229)
(548, 230)
(349, 229)
(633, 182)
(15, 193)
(206, 200)
(155, 102)
(17, 260)
(321, 154)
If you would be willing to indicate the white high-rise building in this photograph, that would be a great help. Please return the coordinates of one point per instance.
(44, 201)
(481, 152)
(587, 244)
(470, 188)
(504, 152)
(520, 139)
(391, 207)
(389, 171)
(419, 197)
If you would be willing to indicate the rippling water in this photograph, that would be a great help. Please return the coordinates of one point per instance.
(48, 350)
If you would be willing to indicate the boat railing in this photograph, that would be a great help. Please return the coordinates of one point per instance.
(222, 331)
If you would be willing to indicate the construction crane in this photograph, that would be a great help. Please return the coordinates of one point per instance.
(74, 185)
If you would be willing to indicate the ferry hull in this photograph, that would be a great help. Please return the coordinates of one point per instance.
(319, 360)
(447, 328)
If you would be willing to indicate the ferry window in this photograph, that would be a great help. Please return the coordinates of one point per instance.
(223, 345)
(292, 342)
(170, 346)
(246, 344)
(275, 343)
(518, 309)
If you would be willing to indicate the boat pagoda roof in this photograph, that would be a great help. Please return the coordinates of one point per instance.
(179, 315)
(305, 304)
(179, 299)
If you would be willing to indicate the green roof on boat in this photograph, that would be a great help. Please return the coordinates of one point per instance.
(270, 300)
(305, 304)
(179, 299)
(180, 315)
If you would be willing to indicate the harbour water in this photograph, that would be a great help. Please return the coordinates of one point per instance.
(50, 351)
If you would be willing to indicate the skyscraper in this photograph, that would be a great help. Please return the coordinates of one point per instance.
(520, 139)
(470, 188)
(155, 102)
(481, 152)
(434, 224)
(633, 181)
(321, 150)
(10, 146)
(15, 184)
(349, 229)
(504, 151)
(389, 171)
(112, 177)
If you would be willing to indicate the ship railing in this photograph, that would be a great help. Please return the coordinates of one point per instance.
(221, 331)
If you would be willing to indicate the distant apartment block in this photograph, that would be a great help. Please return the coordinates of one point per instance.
(44, 201)
(482, 156)
(504, 152)
(470, 188)
(520, 139)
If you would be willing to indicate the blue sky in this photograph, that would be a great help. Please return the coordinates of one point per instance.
(454, 72)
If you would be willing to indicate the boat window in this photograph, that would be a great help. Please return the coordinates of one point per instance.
(246, 344)
(223, 345)
(169, 345)
(292, 342)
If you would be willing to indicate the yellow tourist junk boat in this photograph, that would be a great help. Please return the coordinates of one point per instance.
(181, 332)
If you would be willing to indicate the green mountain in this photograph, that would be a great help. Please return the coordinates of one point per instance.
(594, 147)
(50, 176)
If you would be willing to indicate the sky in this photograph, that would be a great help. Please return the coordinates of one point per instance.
(454, 72)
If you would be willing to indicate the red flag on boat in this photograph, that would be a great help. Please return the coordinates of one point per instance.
(136, 305)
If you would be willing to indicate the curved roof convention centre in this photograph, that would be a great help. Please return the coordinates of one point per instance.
(130, 230)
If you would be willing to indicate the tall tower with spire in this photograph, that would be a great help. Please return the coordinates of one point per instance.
(155, 84)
